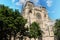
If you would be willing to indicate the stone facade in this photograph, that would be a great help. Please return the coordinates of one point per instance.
(39, 15)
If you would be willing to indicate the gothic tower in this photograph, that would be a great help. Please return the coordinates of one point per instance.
(39, 14)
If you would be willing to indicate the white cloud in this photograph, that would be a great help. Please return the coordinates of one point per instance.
(18, 3)
(13, 1)
(21, 2)
(49, 3)
(35, 1)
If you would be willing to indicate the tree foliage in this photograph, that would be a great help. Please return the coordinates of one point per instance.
(11, 22)
(57, 29)
(35, 30)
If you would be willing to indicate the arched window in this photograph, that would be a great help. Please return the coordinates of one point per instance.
(30, 11)
(38, 15)
(44, 15)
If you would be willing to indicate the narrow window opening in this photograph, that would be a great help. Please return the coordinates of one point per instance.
(30, 11)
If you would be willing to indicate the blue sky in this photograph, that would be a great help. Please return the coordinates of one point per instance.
(52, 6)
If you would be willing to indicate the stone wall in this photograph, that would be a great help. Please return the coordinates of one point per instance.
(39, 15)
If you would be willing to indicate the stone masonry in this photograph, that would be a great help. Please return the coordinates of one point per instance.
(40, 15)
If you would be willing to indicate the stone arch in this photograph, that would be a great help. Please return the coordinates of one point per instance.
(30, 11)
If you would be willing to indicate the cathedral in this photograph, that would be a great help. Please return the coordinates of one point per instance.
(40, 15)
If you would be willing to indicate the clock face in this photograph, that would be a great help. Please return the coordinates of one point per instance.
(38, 15)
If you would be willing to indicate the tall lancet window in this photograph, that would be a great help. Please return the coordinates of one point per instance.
(30, 11)
(45, 15)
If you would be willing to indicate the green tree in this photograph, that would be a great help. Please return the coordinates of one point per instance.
(11, 22)
(57, 29)
(35, 30)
